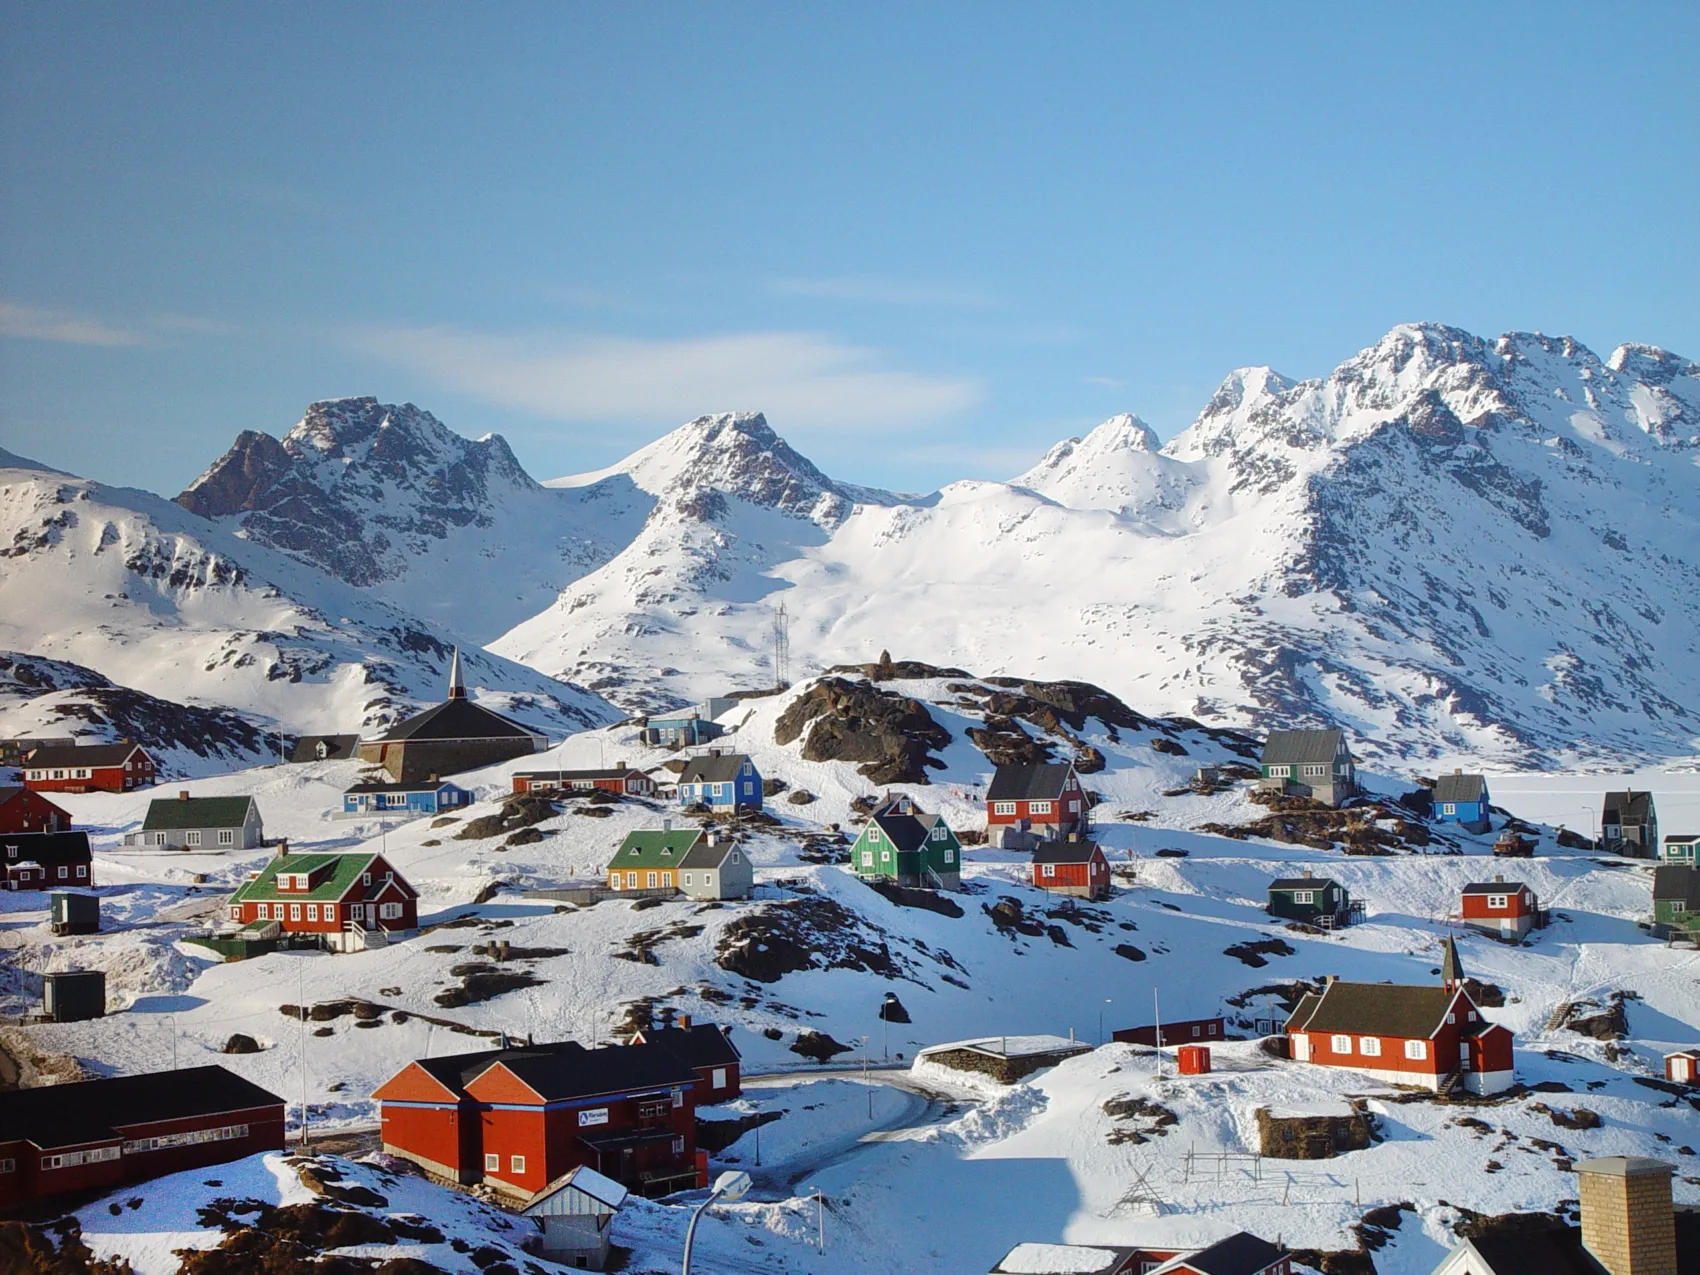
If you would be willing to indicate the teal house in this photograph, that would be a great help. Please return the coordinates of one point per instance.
(905, 846)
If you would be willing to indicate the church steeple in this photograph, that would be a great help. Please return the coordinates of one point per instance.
(457, 688)
(1451, 968)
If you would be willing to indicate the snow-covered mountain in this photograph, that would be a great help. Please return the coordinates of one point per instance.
(129, 592)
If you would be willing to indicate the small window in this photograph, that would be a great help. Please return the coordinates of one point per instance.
(718, 1081)
(294, 911)
(685, 879)
(949, 855)
(63, 872)
(939, 833)
(236, 913)
(1449, 808)
(1416, 1049)
(1304, 896)
(265, 911)
(1369, 1046)
(1003, 807)
(330, 911)
(1050, 870)
(517, 1163)
(867, 858)
(1498, 901)
(365, 878)
(885, 856)
(492, 1164)
(631, 880)
(390, 911)
(226, 836)
(1341, 1044)
(735, 858)
(1040, 807)
(1195, 1031)
(312, 911)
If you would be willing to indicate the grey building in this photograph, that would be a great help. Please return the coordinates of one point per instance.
(324, 748)
(716, 868)
(200, 823)
(1629, 825)
(1309, 763)
(574, 1212)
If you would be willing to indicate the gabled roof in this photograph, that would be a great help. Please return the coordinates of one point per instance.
(456, 719)
(1286, 747)
(707, 854)
(45, 848)
(1628, 807)
(1679, 838)
(96, 1110)
(1037, 781)
(337, 747)
(1242, 1253)
(1301, 883)
(649, 848)
(11, 792)
(586, 1181)
(456, 1071)
(905, 832)
(1375, 1009)
(1065, 851)
(699, 1045)
(1456, 787)
(1557, 1251)
(567, 776)
(1677, 883)
(344, 876)
(717, 768)
(425, 786)
(585, 1073)
(170, 813)
(80, 755)
(1494, 887)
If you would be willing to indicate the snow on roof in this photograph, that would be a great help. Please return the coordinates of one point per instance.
(1058, 1259)
(586, 1181)
(1013, 1046)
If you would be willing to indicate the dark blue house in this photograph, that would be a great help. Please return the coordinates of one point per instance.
(429, 798)
(685, 731)
(1462, 799)
(721, 781)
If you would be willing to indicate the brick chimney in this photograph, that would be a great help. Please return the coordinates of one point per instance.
(1628, 1221)
(182, 794)
(685, 1021)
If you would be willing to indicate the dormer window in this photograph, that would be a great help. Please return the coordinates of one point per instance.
(365, 878)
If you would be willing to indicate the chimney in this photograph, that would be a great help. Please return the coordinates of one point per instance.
(282, 846)
(1457, 770)
(713, 838)
(685, 1021)
(1307, 874)
(619, 765)
(667, 825)
(1628, 1221)
(1499, 879)
(182, 794)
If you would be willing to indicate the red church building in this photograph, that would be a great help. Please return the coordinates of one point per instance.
(1433, 1037)
(517, 1119)
(89, 768)
(1075, 866)
(1027, 803)
(24, 811)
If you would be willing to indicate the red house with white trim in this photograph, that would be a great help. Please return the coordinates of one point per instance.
(22, 810)
(1683, 1066)
(621, 780)
(517, 1119)
(45, 860)
(707, 1050)
(89, 768)
(351, 900)
(1043, 800)
(1434, 1037)
(1074, 866)
(1504, 909)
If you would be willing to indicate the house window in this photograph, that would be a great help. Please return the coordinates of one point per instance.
(949, 855)
(1195, 1031)
(159, 838)
(312, 911)
(236, 913)
(1369, 1046)
(651, 880)
(1341, 1044)
(227, 836)
(939, 833)
(885, 856)
(265, 911)
(63, 872)
(1280, 772)
(735, 858)
(1050, 870)
(82, 772)
(390, 911)
(492, 1163)
(192, 837)
(294, 911)
(517, 1163)
(1304, 896)
(8, 1166)
(631, 880)
(1315, 772)
(1498, 901)
(1040, 807)
(718, 1079)
(365, 878)
(685, 879)
(873, 834)
(1416, 1050)
(330, 911)
(867, 858)
(1449, 808)
(1003, 807)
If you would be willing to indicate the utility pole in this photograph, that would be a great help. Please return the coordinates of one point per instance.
(1157, 1015)
(866, 1083)
(301, 996)
(1101, 1020)
(820, 1218)
(781, 648)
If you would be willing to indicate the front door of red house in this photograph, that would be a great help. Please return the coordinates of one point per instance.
(1463, 1055)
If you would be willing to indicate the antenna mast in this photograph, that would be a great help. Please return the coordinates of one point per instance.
(781, 648)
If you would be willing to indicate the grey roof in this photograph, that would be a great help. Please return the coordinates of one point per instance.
(456, 719)
(1671, 837)
(1554, 1251)
(11, 792)
(716, 768)
(1460, 788)
(1678, 884)
(905, 832)
(1495, 887)
(1037, 781)
(171, 813)
(1628, 807)
(566, 776)
(1065, 851)
(1374, 1009)
(703, 854)
(1284, 747)
(80, 755)
(699, 1045)
(1242, 1253)
(428, 785)
(1284, 884)
(337, 747)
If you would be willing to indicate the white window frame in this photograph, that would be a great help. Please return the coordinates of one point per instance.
(1499, 901)
(294, 911)
(1449, 808)
(1416, 1050)
(867, 858)
(1304, 896)
(717, 1079)
(516, 1164)
(885, 856)
(1003, 807)
(1315, 772)
(949, 855)
(1369, 1046)
(685, 878)
(389, 911)
(492, 1162)
(330, 912)
(312, 911)
(1280, 772)
(652, 880)
(192, 837)
(227, 836)
(1340, 1044)
(1039, 807)
(1048, 870)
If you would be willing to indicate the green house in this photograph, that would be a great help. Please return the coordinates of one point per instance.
(1313, 900)
(1682, 849)
(1676, 899)
(906, 846)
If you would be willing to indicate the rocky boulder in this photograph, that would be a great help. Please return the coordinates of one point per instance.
(887, 737)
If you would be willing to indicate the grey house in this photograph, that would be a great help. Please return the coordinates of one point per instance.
(715, 868)
(324, 748)
(1629, 825)
(1309, 763)
(573, 1212)
(200, 823)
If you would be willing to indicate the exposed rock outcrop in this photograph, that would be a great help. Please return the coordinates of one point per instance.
(889, 738)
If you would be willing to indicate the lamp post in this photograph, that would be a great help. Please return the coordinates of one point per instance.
(728, 1186)
(866, 1083)
(885, 1020)
(1107, 1001)
(819, 1198)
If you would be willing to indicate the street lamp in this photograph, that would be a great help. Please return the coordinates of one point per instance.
(885, 1018)
(866, 1084)
(729, 1186)
(1107, 1001)
(819, 1198)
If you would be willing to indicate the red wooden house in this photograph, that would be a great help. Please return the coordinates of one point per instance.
(707, 1050)
(352, 900)
(1505, 909)
(99, 1134)
(89, 768)
(45, 860)
(1683, 1066)
(1434, 1037)
(517, 1119)
(1073, 866)
(22, 810)
(1043, 800)
(621, 780)
(1184, 1031)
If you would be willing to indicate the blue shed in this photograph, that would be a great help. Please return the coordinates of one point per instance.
(721, 781)
(1462, 799)
(429, 798)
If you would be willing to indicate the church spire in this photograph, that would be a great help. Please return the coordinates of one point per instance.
(1451, 968)
(457, 688)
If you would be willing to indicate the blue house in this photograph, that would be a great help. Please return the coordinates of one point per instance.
(721, 781)
(429, 798)
(684, 731)
(1462, 799)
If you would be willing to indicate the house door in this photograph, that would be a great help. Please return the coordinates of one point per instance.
(1301, 1048)
(1463, 1055)
(1682, 1069)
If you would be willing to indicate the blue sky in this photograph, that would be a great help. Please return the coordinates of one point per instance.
(928, 240)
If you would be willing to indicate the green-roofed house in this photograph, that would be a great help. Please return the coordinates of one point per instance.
(906, 846)
(200, 823)
(351, 901)
(700, 865)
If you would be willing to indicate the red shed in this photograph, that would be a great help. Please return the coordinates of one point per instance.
(98, 1134)
(1044, 798)
(89, 768)
(1193, 1060)
(1505, 909)
(22, 810)
(1074, 866)
(621, 780)
(1683, 1066)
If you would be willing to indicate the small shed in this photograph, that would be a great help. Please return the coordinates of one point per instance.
(1005, 1059)
(75, 913)
(1683, 1066)
(1193, 1060)
(1318, 1132)
(574, 1212)
(71, 996)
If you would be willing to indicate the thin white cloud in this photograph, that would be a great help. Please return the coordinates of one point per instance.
(807, 381)
(36, 324)
(1108, 381)
(877, 291)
